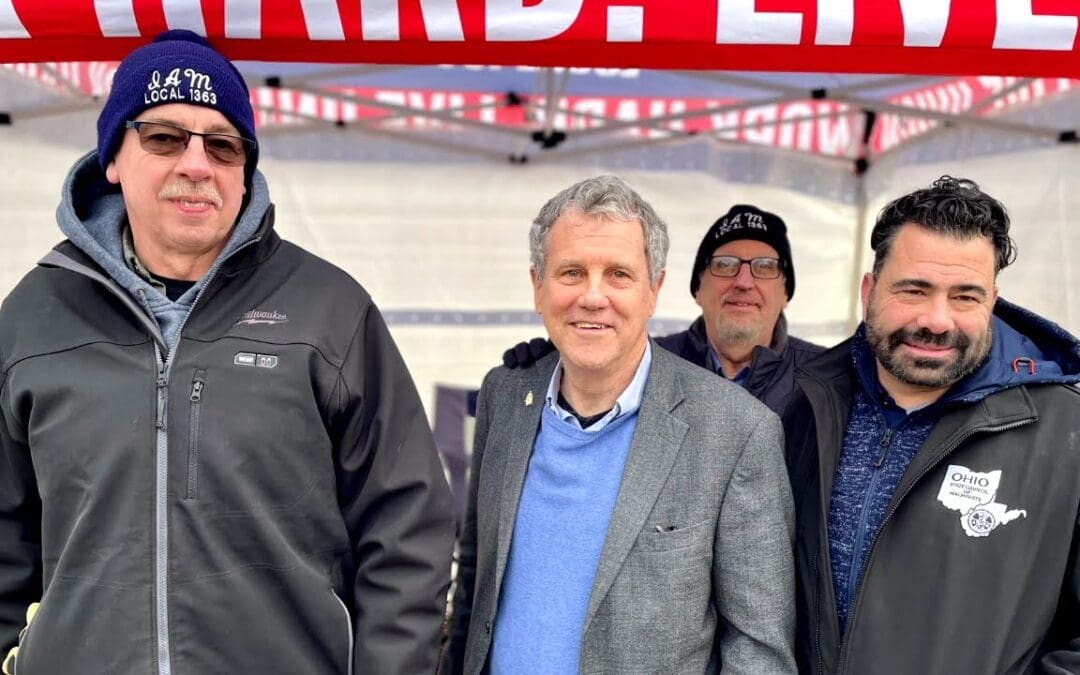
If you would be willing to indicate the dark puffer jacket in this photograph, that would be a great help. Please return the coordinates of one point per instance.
(975, 567)
(772, 369)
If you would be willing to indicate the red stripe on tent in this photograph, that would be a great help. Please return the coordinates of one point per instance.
(971, 24)
(150, 16)
(350, 18)
(282, 21)
(878, 24)
(856, 59)
(58, 18)
(214, 16)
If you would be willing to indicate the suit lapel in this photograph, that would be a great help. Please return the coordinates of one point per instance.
(653, 449)
(526, 407)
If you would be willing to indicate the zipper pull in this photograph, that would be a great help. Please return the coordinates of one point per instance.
(196, 391)
(884, 444)
(162, 383)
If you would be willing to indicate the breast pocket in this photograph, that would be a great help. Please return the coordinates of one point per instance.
(665, 536)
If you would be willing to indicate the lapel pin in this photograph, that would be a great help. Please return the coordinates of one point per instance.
(528, 399)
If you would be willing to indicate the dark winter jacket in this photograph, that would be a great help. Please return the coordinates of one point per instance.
(771, 379)
(263, 498)
(974, 568)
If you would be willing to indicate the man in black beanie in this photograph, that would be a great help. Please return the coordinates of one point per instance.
(212, 456)
(742, 279)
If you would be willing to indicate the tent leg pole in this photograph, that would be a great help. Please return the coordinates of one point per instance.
(859, 257)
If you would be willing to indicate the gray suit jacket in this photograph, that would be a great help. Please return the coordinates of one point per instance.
(696, 567)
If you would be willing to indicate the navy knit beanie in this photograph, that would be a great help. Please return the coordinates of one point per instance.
(743, 221)
(177, 67)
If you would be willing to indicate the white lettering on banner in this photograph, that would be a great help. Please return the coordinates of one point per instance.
(725, 121)
(657, 107)
(678, 107)
(739, 23)
(625, 24)
(184, 14)
(487, 109)
(513, 21)
(1018, 28)
(243, 19)
(323, 21)
(626, 110)
(307, 105)
(835, 22)
(116, 18)
(101, 76)
(834, 134)
(766, 134)
(590, 107)
(442, 21)
(396, 98)
(349, 111)
(10, 25)
(804, 138)
(924, 22)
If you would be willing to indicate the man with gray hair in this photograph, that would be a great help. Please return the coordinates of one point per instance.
(628, 511)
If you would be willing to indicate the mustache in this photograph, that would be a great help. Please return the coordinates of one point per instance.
(742, 297)
(923, 336)
(189, 190)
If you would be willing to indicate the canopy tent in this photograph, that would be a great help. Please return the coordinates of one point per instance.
(421, 180)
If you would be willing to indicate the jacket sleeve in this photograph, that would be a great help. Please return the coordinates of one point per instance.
(454, 660)
(396, 505)
(20, 531)
(1064, 658)
(753, 568)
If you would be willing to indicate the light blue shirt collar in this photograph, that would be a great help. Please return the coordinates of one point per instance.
(627, 403)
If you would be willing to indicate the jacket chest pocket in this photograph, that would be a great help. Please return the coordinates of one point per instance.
(195, 400)
(254, 438)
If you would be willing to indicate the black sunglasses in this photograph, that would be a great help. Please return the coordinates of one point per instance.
(167, 140)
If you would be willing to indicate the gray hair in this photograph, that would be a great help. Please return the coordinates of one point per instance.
(610, 197)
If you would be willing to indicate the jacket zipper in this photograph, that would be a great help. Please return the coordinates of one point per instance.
(161, 572)
(161, 466)
(195, 398)
(161, 515)
(348, 622)
(161, 469)
(855, 574)
(888, 514)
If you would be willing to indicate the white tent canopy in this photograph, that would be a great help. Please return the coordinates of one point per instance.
(421, 181)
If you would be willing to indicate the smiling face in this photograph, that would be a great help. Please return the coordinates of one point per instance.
(741, 310)
(928, 311)
(595, 296)
(181, 209)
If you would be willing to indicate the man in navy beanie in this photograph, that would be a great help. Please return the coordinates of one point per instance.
(212, 456)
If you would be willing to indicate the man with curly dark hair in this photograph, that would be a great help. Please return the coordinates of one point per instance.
(934, 459)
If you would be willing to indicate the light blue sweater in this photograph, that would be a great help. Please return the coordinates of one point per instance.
(562, 520)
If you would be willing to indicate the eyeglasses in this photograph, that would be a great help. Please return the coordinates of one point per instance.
(726, 266)
(169, 141)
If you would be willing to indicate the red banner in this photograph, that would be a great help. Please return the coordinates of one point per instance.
(975, 37)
